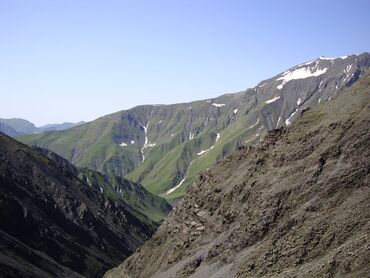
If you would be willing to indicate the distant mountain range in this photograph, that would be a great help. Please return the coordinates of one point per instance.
(16, 127)
(165, 147)
(59, 221)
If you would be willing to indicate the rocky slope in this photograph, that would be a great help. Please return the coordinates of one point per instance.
(55, 221)
(294, 205)
(164, 147)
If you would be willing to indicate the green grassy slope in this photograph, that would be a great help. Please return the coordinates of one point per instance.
(158, 145)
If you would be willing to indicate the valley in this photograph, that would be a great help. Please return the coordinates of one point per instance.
(248, 174)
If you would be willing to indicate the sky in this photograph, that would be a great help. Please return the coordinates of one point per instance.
(69, 60)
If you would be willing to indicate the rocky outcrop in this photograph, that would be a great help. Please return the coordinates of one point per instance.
(294, 205)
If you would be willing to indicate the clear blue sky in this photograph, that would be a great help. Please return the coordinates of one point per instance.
(71, 60)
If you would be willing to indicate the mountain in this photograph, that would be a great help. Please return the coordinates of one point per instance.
(294, 205)
(22, 127)
(165, 147)
(62, 126)
(119, 189)
(59, 221)
(8, 130)
(131, 193)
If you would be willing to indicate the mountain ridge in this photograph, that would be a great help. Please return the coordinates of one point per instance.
(164, 147)
(294, 204)
(21, 126)
(56, 221)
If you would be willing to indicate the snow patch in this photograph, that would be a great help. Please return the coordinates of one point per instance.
(204, 151)
(151, 144)
(306, 63)
(132, 142)
(348, 68)
(300, 73)
(123, 144)
(331, 59)
(101, 189)
(287, 121)
(272, 100)
(299, 101)
(218, 104)
(174, 188)
(321, 82)
(346, 71)
(278, 122)
(235, 111)
(252, 126)
(217, 137)
(146, 136)
(181, 182)
(191, 136)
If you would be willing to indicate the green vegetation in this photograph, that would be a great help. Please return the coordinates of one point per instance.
(170, 137)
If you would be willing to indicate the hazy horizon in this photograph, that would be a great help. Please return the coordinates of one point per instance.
(76, 61)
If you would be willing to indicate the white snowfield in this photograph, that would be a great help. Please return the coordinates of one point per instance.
(300, 73)
(272, 100)
(218, 104)
(322, 58)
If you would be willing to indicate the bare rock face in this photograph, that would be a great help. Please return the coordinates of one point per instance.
(53, 224)
(295, 205)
